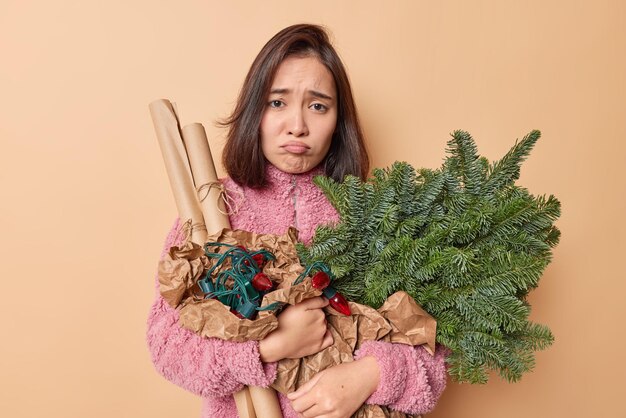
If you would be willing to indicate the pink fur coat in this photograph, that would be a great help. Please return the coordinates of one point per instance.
(411, 380)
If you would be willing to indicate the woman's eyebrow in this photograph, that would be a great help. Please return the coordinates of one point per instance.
(319, 94)
(313, 93)
(279, 91)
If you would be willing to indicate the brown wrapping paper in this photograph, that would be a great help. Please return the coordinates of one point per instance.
(399, 320)
(211, 318)
(183, 266)
(179, 172)
(376, 411)
(265, 402)
(209, 189)
(251, 402)
(177, 167)
(245, 405)
(410, 324)
(179, 271)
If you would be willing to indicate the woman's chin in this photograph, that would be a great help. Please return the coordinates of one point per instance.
(293, 170)
(298, 166)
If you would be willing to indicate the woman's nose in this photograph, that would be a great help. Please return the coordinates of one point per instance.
(297, 124)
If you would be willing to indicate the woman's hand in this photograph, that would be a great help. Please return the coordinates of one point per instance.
(302, 330)
(337, 392)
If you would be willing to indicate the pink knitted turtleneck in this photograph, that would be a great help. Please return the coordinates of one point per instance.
(287, 200)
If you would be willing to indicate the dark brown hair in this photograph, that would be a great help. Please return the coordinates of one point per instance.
(243, 157)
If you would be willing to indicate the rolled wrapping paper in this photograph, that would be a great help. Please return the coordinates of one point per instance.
(177, 167)
(167, 127)
(265, 402)
(208, 187)
(245, 407)
(252, 402)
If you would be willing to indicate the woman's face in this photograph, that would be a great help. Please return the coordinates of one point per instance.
(300, 115)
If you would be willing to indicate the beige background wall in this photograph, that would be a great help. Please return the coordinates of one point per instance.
(85, 202)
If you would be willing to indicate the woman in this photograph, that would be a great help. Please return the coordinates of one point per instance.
(295, 118)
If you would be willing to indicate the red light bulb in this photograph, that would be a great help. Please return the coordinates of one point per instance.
(261, 282)
(320, 280)
(337, 301)
(259, 259)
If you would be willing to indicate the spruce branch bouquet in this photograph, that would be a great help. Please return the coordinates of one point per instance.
(463, 240)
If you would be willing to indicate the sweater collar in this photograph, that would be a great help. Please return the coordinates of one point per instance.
(278, 178)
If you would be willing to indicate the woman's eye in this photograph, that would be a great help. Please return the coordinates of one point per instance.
(319, 107)
(276, 103)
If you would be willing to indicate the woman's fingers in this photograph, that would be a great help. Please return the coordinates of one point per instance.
(313, 412)
(304, 389)
(328, 340)
(302, 331)
(314, 303)
(304, 405)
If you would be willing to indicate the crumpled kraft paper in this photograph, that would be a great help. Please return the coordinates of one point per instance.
(183, 266)
(376, 411)
(399, 320)
(211, 318)
(179, 272)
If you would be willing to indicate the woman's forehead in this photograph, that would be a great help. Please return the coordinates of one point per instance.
(303, 74)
